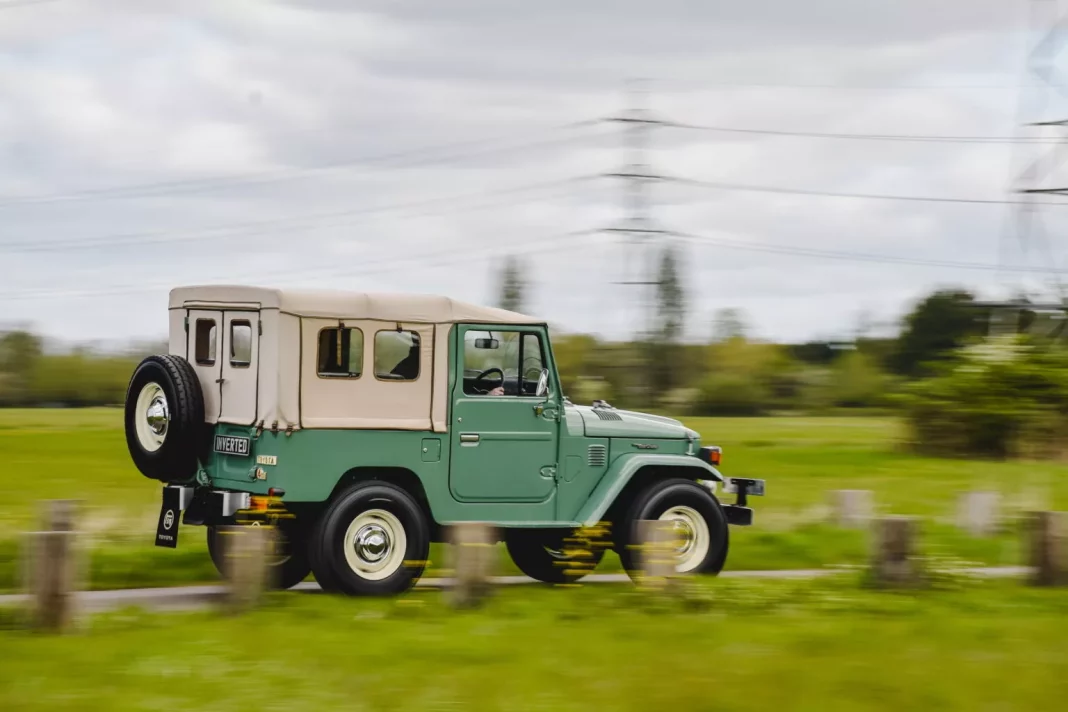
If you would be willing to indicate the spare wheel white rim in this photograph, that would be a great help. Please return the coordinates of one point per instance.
(152, 417)
(692, 538)
(375, 543)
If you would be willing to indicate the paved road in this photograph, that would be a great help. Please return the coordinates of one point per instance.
(193, 597)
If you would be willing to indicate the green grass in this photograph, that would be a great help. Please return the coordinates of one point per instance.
(82, 454)
(824, 645)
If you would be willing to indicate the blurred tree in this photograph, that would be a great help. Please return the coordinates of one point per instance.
(941, 323)
(728, 324)
(666, 356)
(511, 286)
(19, 353)
(856, 381)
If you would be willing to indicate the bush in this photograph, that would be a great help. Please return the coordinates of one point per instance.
(731, 393)
(999, 399)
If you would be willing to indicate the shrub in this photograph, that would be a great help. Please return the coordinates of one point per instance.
(998, 399)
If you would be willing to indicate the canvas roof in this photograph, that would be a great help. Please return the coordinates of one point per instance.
(327, 304)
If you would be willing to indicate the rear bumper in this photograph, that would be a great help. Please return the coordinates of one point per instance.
(213, 507)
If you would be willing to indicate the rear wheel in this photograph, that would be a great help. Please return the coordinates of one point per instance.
(373, 540)
(699, 524)
(289, 561)
(546, 555)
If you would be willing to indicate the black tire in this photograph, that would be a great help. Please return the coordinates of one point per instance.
(660, 497)
(292, 565)
(388, 513)
(320, 570)
(545, 555)
(174, 458)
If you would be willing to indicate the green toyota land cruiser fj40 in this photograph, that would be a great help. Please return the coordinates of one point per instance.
(374, 421)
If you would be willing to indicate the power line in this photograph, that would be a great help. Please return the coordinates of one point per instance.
(718, 185)
(849, 255)
(243, 228)
(366, 267)
(166, 188)
(12, 4)
(996, 140)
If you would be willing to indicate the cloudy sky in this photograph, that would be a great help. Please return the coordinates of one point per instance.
(409, 145)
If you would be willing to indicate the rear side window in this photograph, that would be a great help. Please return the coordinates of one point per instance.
(240, 344)
(340, 353)
(397, 355)
(204, 347)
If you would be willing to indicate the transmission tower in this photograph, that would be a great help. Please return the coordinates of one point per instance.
(1040, 152)
(642, 237)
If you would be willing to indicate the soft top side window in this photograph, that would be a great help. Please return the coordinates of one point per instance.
(340, 353)
(397, 355)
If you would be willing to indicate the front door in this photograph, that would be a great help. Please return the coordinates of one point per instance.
(240, 367)
(504, 436)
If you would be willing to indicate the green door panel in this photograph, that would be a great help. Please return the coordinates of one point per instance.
(625, 467)
(500, 450)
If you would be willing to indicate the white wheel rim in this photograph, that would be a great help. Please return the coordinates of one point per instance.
(375, 543)
(152, 417)
(692, 536)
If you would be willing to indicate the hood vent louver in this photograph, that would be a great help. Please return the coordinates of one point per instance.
(607, 414)
(597, 456)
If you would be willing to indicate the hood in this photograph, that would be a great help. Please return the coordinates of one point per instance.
(611, 423)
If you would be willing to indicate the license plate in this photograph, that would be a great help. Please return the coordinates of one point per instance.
(230, 445)
(755, 488)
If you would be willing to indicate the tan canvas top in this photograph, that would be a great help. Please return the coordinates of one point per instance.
(347, 305)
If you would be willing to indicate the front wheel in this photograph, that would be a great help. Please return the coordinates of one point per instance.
(546, 555)
(288, 563)
(373, 540)
(698, 521)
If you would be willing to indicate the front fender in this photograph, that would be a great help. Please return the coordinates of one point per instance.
(623, 470)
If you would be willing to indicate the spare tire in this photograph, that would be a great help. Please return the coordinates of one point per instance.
(165, 418)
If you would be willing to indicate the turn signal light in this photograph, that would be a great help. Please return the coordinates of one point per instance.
(711, 454)
(260, 503)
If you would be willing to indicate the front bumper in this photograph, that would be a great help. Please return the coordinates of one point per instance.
(740, 514)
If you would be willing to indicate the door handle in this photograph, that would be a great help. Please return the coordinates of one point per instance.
(469, 438)
(220, 380)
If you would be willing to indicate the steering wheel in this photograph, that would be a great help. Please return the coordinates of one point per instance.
(482, 376)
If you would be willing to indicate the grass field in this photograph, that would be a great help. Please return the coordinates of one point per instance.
(823, 645)
(82, 454)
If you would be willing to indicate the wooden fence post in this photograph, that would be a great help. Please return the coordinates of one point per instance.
(656, 559)
(893, 562)
(51, 567)
(977, 512)
(472, 557)
(852, 509)
(1047, 543)
(247, 550)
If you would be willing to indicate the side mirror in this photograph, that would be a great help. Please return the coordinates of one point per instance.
(543, 383)
(487, 343)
